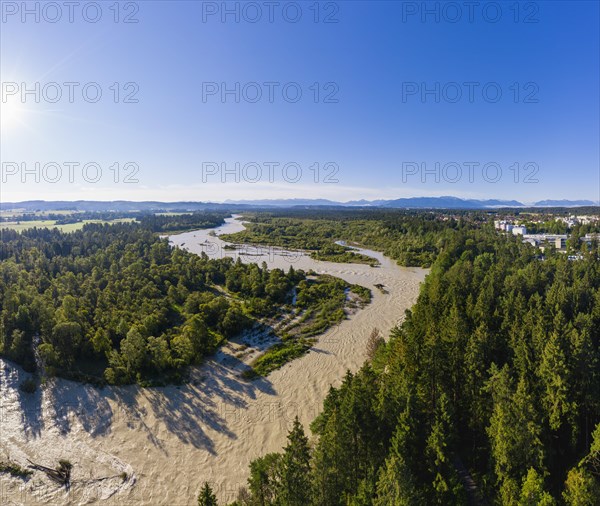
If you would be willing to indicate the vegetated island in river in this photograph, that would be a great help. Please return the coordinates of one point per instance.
(408, 238)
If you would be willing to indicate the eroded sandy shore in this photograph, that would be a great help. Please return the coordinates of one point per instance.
(170, 440)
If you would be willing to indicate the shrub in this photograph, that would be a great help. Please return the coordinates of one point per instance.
(28, 386)
(14, 470)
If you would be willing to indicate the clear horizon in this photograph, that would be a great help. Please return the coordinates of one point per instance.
(182, 101)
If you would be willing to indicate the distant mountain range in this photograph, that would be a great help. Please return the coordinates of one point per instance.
(446, 202)
(411, 203)
(565, 203)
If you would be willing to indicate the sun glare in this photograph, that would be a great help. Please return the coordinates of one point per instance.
(10, 115)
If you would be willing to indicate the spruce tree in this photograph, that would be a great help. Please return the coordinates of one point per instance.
(397, 483)
(206, 497)
(295, 472)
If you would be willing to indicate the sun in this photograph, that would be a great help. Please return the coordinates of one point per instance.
(11, 116)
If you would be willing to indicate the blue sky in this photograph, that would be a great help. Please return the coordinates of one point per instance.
(365, 122)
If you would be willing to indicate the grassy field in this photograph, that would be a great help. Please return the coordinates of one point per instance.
(70, 227)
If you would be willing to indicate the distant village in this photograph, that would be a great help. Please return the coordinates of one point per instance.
(543, 240)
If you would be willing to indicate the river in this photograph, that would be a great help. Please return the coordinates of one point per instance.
(169, 440)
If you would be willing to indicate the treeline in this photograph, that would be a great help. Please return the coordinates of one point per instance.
(489, 393)
(181, 222)
(116, 303)
(67, 216)
(546, 211)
